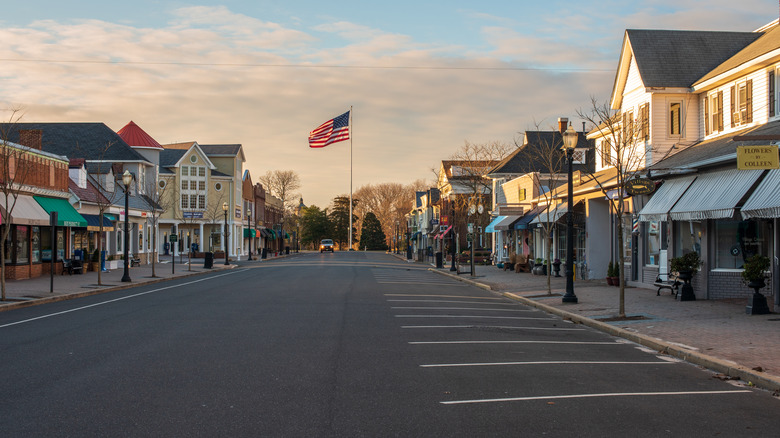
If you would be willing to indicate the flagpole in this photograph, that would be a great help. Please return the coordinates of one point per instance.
(351, 134)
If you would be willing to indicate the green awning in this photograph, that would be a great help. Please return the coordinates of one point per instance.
(67, 216)
(249, 232)
(273, 233)
(110, 217)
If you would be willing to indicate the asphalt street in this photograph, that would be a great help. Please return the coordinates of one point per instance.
(343, 345)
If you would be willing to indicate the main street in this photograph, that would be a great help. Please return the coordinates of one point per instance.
(344, 344)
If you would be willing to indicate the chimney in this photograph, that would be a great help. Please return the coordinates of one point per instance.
(32, 138)
(563, 123)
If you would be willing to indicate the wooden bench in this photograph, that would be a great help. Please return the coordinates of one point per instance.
(71, 266)
(671, 282)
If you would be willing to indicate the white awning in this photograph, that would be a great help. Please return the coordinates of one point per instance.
(765, 200)
(664, 199)
(551, 214)
(505, 223)
(26, 211)
(714, 195)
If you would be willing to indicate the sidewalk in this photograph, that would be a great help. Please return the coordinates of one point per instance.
(715, 334)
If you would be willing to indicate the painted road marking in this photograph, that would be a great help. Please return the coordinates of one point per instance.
(491, 327)
(454, 301)
(122, 298)
(544, 362)
(512, 342)
(486, 309)
(612, 394)
(474, 316)
(445, 296)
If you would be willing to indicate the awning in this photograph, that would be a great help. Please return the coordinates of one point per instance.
(271, 234)
(714, 195)
(524, 221)
(25, 212)
(415, 236)
(263, 232)
(764, 202)
(441, 236)
(491, 226)
(507, 223)
(553, 213)
(93, 222)
(67, 216)
(250, 232)
(110, 217)
(657, 208)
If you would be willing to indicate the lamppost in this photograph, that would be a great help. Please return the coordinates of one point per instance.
(451, 221)
(396, 237)
(127, 178)
(408, 241)
(570, 142)
(227, 242)
(249, 230)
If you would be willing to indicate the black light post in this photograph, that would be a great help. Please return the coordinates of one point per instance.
(451, 221)
(249, 231)
(408, 241)
(227, 242)
(570, 142)
(396, 238)
(127, 178)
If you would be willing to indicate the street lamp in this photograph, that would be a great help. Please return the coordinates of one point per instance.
(396, 236)
(127, 178)
(249, 230)
(227, 243)
(570, 142)
(451, 221)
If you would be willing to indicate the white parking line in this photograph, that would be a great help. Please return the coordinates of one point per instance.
(451, 301)
(491, 327)
(612, 394)
(486, 309)
(544, 362)
(512, 342)
(445, 296)
(473, 316)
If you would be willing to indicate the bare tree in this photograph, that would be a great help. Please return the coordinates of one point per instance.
(626, 137)
(283, 184)
(156, 202)
(214, 214)
(16, 169)
(386, 201)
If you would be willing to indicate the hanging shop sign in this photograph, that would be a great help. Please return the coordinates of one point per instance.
(757, 157)
(640, 186)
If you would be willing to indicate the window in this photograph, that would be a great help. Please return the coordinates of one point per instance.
(193, 158)
(655, 241)
(202, 171)
(742, 103)
(675, 119)
(193, 187)
(36, 244)
(521, 195)
(218, 187)
(644, 121)
(713, 113)
(202, 202)
(736, 241)
(185, 170)
(628, 127)
(579, 156)
(687, 238)
(772, 96)
(161, 183)
(606, 152)
(185, 200)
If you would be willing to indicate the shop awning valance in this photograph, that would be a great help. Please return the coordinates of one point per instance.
(491, 228)
(263, 232)
(93, 222)
(25, 212)
(250, 232)
(553, 213)
(524, 221)
(657, 208)
(67, 216)
(765, 200)
(714, 195)
(507, 222)
(415, 236)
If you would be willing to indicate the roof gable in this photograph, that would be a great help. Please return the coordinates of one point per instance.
(136, 137)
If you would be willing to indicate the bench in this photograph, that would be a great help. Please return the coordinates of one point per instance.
(671, 282)
(135, 261)
(71, 266)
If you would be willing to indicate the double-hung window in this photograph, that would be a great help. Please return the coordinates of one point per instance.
(713, 113)
(742, 103)
(675, 118)
(193, 188)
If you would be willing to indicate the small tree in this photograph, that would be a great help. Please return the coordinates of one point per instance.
(156, 202)
(371, 236)
(315, 225)
(339, 218)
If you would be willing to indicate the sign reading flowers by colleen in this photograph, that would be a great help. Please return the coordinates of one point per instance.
(758, 157)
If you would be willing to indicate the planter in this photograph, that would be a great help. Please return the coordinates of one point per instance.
(557, 268)
(757, 302)
(616, 281)
(610, 282)
(686, 291)
(112, 264)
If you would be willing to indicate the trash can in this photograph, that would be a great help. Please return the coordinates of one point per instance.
(286, 249)
(439, 260)
(265, 253)
(208, 261)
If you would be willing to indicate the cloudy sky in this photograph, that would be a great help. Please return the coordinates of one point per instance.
(422, 76)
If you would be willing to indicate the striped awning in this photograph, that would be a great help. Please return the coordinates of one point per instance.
(506, 223)
(657, 208)
(764, 202)
(714, 195)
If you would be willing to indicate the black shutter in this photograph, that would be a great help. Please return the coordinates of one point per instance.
(771, 94)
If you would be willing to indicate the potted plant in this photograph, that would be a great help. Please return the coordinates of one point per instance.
(557, 267)
(94, 264)
(754, 275)
(686, 267)
(610, 271)
(616, 274)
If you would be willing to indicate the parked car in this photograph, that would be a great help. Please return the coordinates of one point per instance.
(326, 245)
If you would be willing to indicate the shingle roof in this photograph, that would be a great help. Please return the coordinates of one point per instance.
(678, 58)
(220, 149)
(719, 147)
(88, 194)
(169, 157)
(133, 135)
(79, 140)
(767, 42)
(528, 157)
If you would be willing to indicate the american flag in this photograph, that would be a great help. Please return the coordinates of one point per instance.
(332, 131)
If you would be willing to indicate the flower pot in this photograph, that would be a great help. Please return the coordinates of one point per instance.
(616, 281)
(686, 291)
(610, 282)
(757, 304)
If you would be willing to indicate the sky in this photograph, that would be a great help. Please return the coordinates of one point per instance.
(422, 77)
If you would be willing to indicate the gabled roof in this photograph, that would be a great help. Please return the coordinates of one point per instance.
(88, 140)
(136, 137)
(88, 194)
(169, 157)
(720, 149)
(528, 157)
(768, 42)
(675, 58)
(480, 166)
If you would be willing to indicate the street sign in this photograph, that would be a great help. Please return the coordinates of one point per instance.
(757, 157)
(469, 237)
(173, 238)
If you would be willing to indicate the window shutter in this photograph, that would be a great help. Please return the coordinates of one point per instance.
(771, 94)
(720, 110)
(733, 106)
(749, 101)
(706, 115)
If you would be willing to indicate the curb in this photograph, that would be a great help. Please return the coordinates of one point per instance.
(72, 296)
(761, 380)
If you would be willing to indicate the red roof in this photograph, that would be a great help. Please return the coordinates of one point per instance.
(133, 135)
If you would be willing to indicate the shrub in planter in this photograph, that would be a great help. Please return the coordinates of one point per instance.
(754, 275)
(686, 267)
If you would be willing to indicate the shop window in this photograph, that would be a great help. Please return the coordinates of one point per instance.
(36, 244)
(736, 241)
(655, 241)
(22, 244)
(8, 247)
(687, 238)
